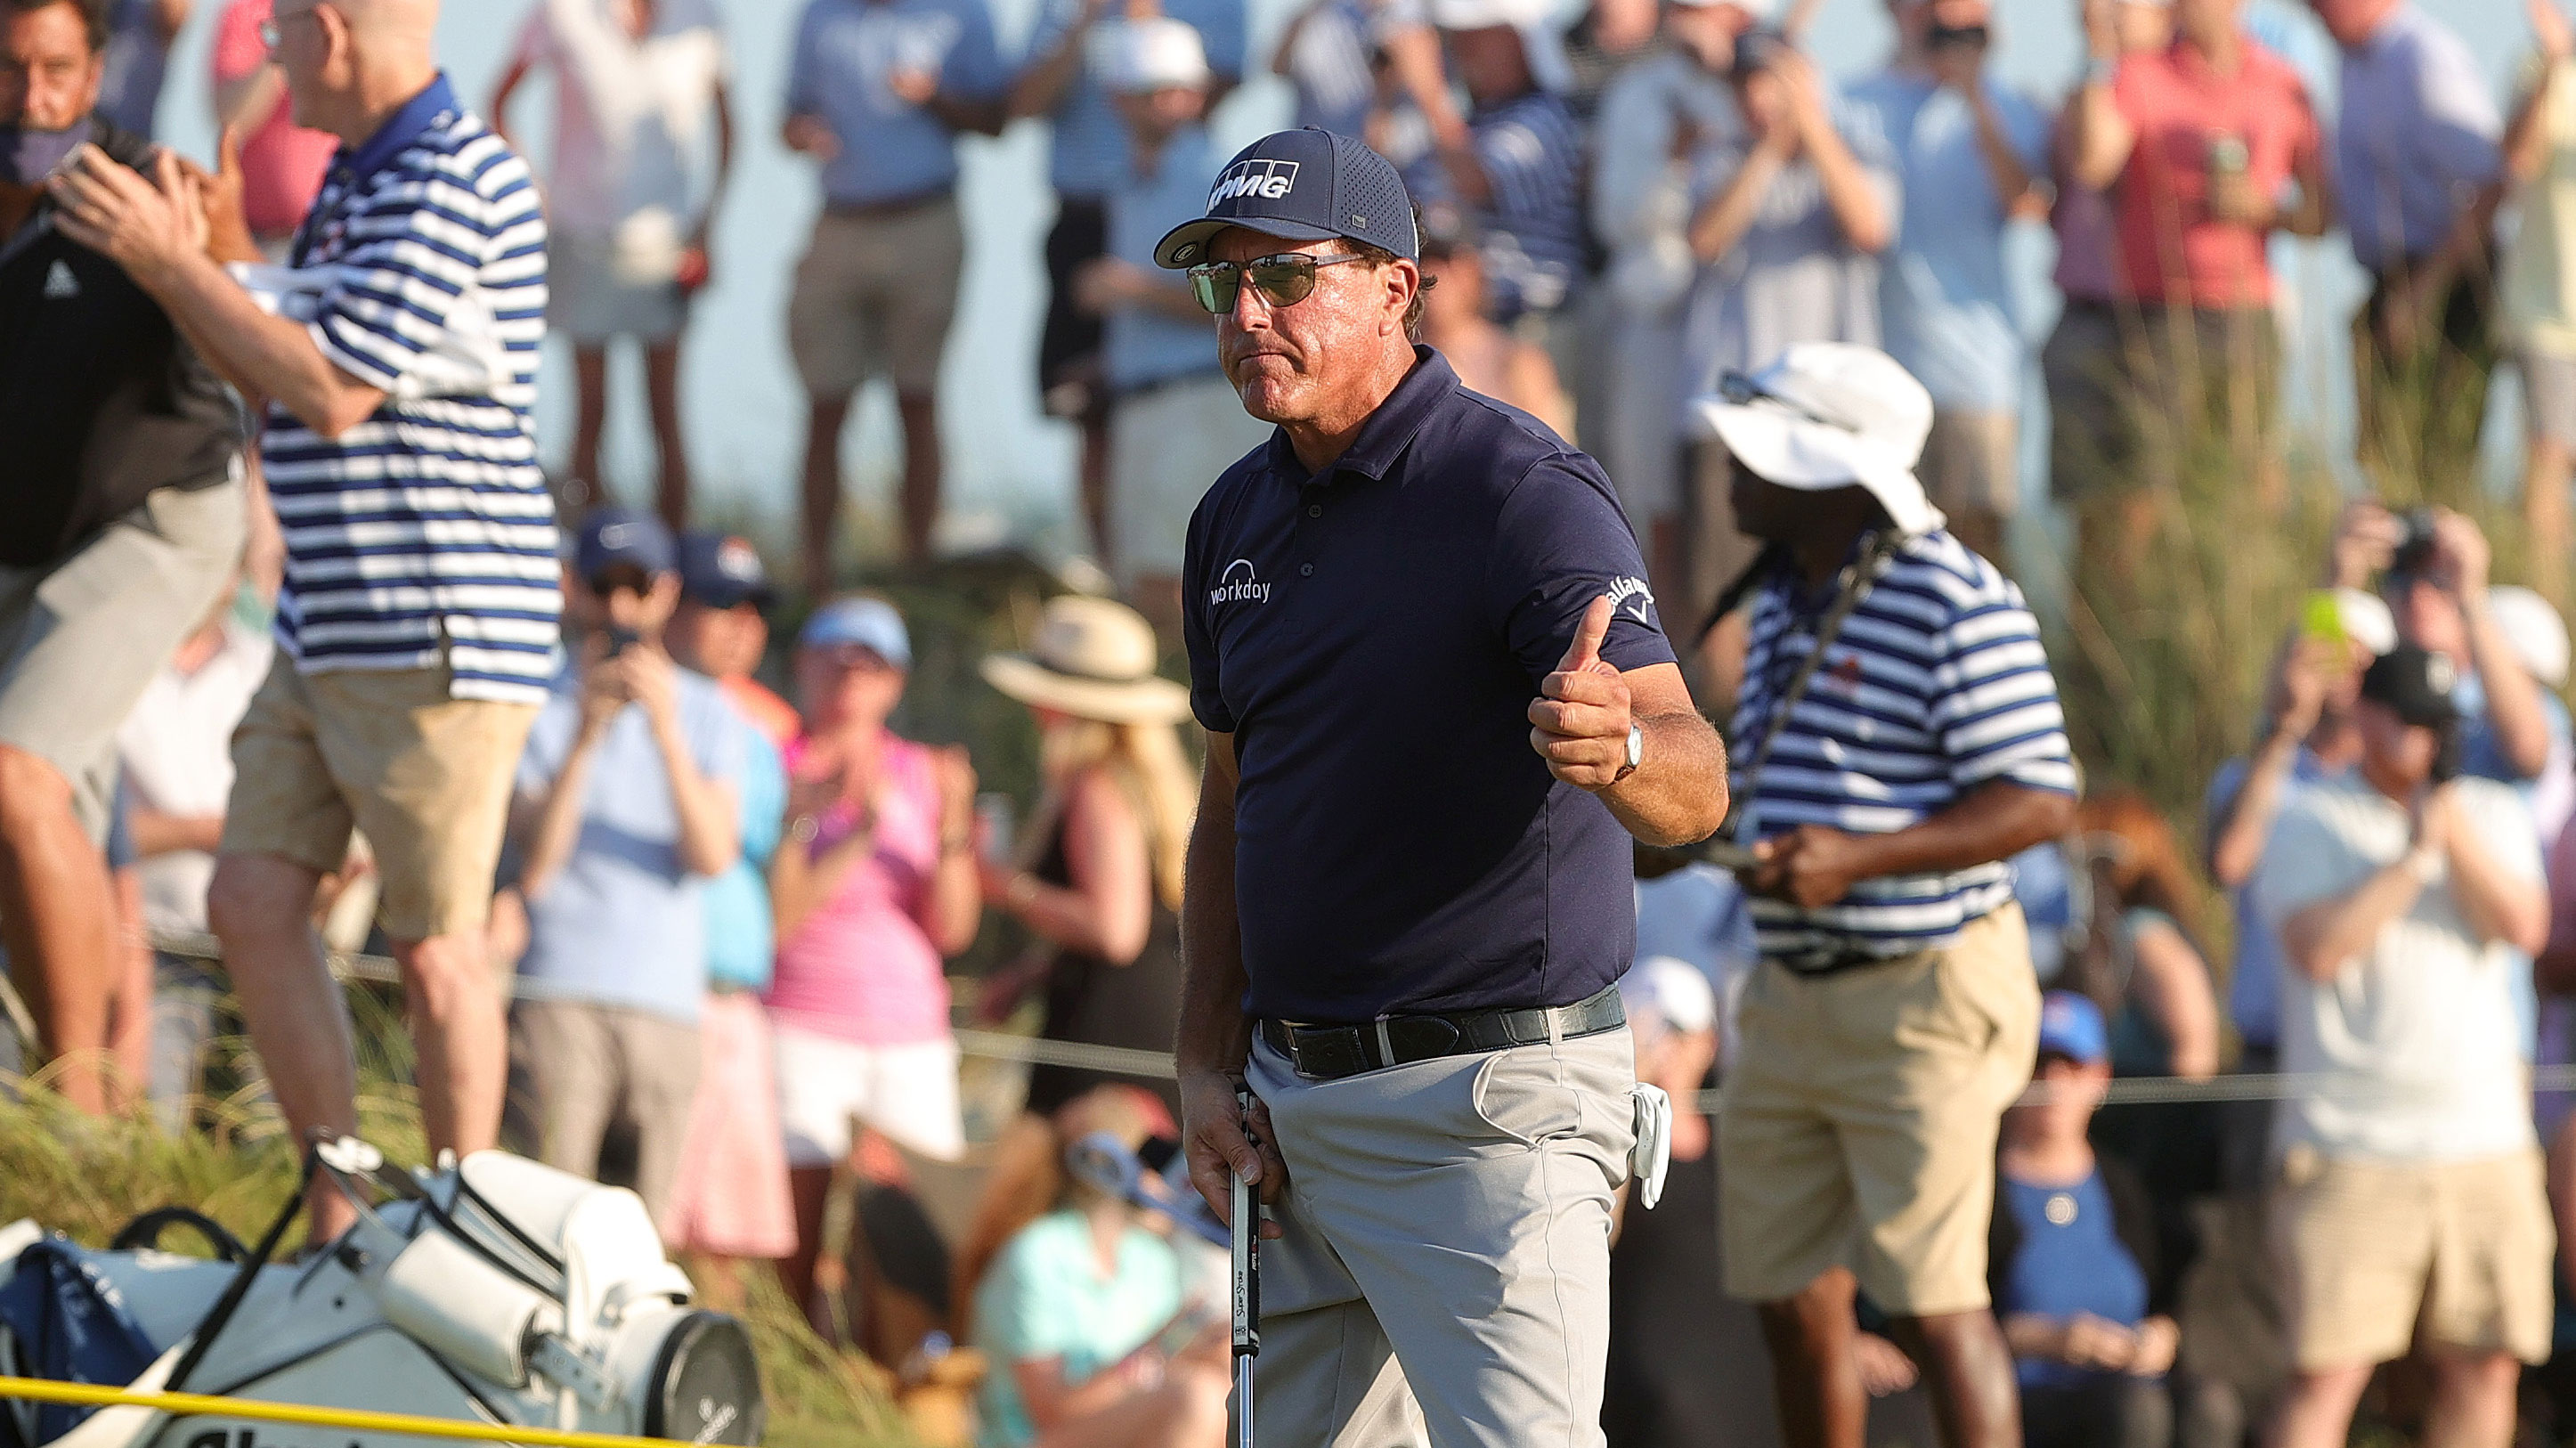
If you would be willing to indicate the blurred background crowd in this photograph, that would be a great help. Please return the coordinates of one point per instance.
(785, 861)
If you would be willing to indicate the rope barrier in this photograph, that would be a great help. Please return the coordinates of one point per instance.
(1157, 1065)
(206, 1405)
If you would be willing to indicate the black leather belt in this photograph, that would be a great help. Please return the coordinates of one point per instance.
(1835, 962)
(1328, 1053)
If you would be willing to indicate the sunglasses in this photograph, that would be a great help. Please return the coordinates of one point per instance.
(1283, 280)
(1744, 391)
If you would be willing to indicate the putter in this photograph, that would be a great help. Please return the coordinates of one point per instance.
(1247, 1289)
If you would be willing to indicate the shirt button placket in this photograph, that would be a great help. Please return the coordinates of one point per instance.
(1305, 534)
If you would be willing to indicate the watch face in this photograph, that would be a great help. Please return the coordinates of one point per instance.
(1636, 745)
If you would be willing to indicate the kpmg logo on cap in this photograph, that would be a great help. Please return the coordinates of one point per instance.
(1269, 180)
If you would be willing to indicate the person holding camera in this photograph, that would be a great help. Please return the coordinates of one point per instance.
(1789, 215)
(1970, 154)
(2409, 1204)
(2433, 565)
(2206, 148)
(626, 806)
(1657, 118)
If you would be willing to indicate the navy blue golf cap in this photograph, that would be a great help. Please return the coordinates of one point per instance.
(721, 571)
(1309, 185)
(614, 535)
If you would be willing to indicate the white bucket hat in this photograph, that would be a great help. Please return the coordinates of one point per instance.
(1093, 659)
(2533, 630)
(1828, 415)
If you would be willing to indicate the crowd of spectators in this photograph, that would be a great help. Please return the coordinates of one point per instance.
(727, 915)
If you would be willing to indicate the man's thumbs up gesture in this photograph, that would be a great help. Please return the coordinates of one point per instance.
(1581, 716)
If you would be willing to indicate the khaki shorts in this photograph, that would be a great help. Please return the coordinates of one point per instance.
(1973, 460)
(425, 776)
(577, 1069)
(80, 640)
(2371, 1252)
(1859, 1124)
(1166, 445)
(874, 295)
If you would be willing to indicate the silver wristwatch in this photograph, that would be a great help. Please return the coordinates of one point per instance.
(1636, 752)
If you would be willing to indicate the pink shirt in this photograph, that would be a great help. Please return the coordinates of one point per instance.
(2171, 249)
(282, 163)
(860, 967)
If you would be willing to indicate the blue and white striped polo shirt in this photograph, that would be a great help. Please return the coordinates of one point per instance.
(1531, 148)
(425, 531)
(1936, 684)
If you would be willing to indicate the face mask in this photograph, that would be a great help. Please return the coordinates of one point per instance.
(28, 156)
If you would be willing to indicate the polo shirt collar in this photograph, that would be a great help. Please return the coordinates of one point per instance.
(402, 128)
(1389, 430)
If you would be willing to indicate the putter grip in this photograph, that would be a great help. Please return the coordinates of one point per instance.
(1246, 1216)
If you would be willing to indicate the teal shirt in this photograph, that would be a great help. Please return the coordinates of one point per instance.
(1045, 1297)
(736, 902)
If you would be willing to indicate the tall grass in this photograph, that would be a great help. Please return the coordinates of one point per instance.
(2187, 584)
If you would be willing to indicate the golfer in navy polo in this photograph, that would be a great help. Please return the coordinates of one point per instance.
(1439, 702)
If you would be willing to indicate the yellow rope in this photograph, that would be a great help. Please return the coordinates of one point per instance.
(204, 1405)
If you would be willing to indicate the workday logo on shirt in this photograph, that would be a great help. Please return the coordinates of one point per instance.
(1269, 180)
(1238, 585)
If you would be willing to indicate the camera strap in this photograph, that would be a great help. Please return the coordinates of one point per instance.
(1858, 577)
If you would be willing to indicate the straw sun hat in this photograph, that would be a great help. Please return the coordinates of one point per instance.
(1093, 659)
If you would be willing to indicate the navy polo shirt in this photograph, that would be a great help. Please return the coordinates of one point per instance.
(1372, 637)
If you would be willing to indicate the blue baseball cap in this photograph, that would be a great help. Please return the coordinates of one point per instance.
(720, 571)
(870, 623)
(622, 535)
(1309, 185)
(2070, 1025)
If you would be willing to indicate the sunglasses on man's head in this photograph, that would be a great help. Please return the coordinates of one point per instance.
(1743, 391)
(1282, 280)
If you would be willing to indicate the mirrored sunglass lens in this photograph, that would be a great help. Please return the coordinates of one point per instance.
(1216, 286)
(1283, 283)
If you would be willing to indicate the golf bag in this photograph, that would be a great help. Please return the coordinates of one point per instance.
(496, 1290)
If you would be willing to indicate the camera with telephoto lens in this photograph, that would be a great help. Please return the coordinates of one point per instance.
(1755, 52)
